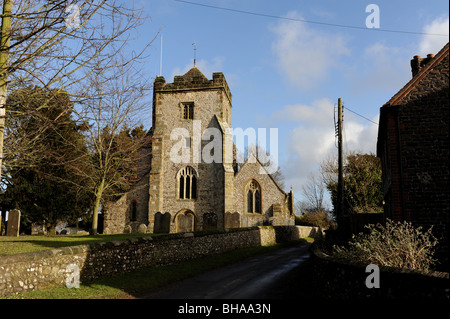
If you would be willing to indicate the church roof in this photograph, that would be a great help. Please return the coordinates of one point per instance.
(194, 72)
(253, 159)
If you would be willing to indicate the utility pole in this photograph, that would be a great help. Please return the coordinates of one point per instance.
(340, 192)
(5, 37)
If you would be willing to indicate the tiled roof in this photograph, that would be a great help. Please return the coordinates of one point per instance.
(419, 76)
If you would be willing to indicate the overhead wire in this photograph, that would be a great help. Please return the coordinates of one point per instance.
(362, 116)
(308, 21)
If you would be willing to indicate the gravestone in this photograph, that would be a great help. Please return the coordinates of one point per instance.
(185, 222)
(162, 223)
(13, 223)
(232, 220)
(127, 229)
(142, 229)
(209, 221)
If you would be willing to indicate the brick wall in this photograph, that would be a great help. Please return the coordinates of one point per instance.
(413, 144)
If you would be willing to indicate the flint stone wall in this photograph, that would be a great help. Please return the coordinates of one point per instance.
(48, 268)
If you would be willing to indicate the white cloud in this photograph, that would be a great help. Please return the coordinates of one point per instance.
(304, 55)
(360, 136)
(433, 43)
(379, 67)
(312, 139)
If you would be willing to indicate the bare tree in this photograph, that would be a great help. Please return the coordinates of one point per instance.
(57, 44)
(80, 48)
(313, 191)
(114, 103)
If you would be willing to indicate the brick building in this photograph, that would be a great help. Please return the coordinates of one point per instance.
(204, 190)
(413, 145)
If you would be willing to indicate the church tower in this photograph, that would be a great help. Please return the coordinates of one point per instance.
(190, 182)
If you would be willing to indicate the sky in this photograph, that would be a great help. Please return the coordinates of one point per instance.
(288, 62)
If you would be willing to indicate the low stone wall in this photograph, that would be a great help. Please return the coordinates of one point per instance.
(29, 271)
(345, 281)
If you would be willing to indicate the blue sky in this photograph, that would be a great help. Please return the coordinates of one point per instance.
(289, 74)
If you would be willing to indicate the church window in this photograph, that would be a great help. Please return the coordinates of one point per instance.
(133, 213)
(253, 197)
(249, 201)
(188, 111)
(187, 183)
(257, 202)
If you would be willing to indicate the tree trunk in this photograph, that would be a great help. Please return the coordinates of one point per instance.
(98, 198)
(4, 63)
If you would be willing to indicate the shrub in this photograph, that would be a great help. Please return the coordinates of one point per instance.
(317, 219)
(397, 245)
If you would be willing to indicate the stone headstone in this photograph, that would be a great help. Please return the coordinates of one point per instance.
(13, 223)
(185, 223)
(127, 229)
(232, 220)
(162, 223)
(142, 229)
(209, 221)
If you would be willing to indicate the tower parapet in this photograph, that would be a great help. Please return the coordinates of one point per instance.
(193, 80)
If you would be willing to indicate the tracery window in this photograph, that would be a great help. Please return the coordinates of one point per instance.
(253, 197)
(187, 183)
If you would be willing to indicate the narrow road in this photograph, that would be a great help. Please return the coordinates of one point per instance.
(259, 277)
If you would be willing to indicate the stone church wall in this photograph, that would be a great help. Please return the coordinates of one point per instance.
(118, 218)
(274, 202)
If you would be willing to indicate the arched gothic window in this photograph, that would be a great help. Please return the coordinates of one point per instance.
(187, 183)
(133, 213)
(253, 197)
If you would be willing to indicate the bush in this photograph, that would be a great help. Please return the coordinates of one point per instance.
(316, 219)
(397, 245)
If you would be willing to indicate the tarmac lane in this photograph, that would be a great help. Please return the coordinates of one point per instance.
(259, 277)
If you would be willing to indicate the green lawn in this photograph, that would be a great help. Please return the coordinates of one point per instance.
(26, 244)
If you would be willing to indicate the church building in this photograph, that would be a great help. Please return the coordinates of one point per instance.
(188, 175)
